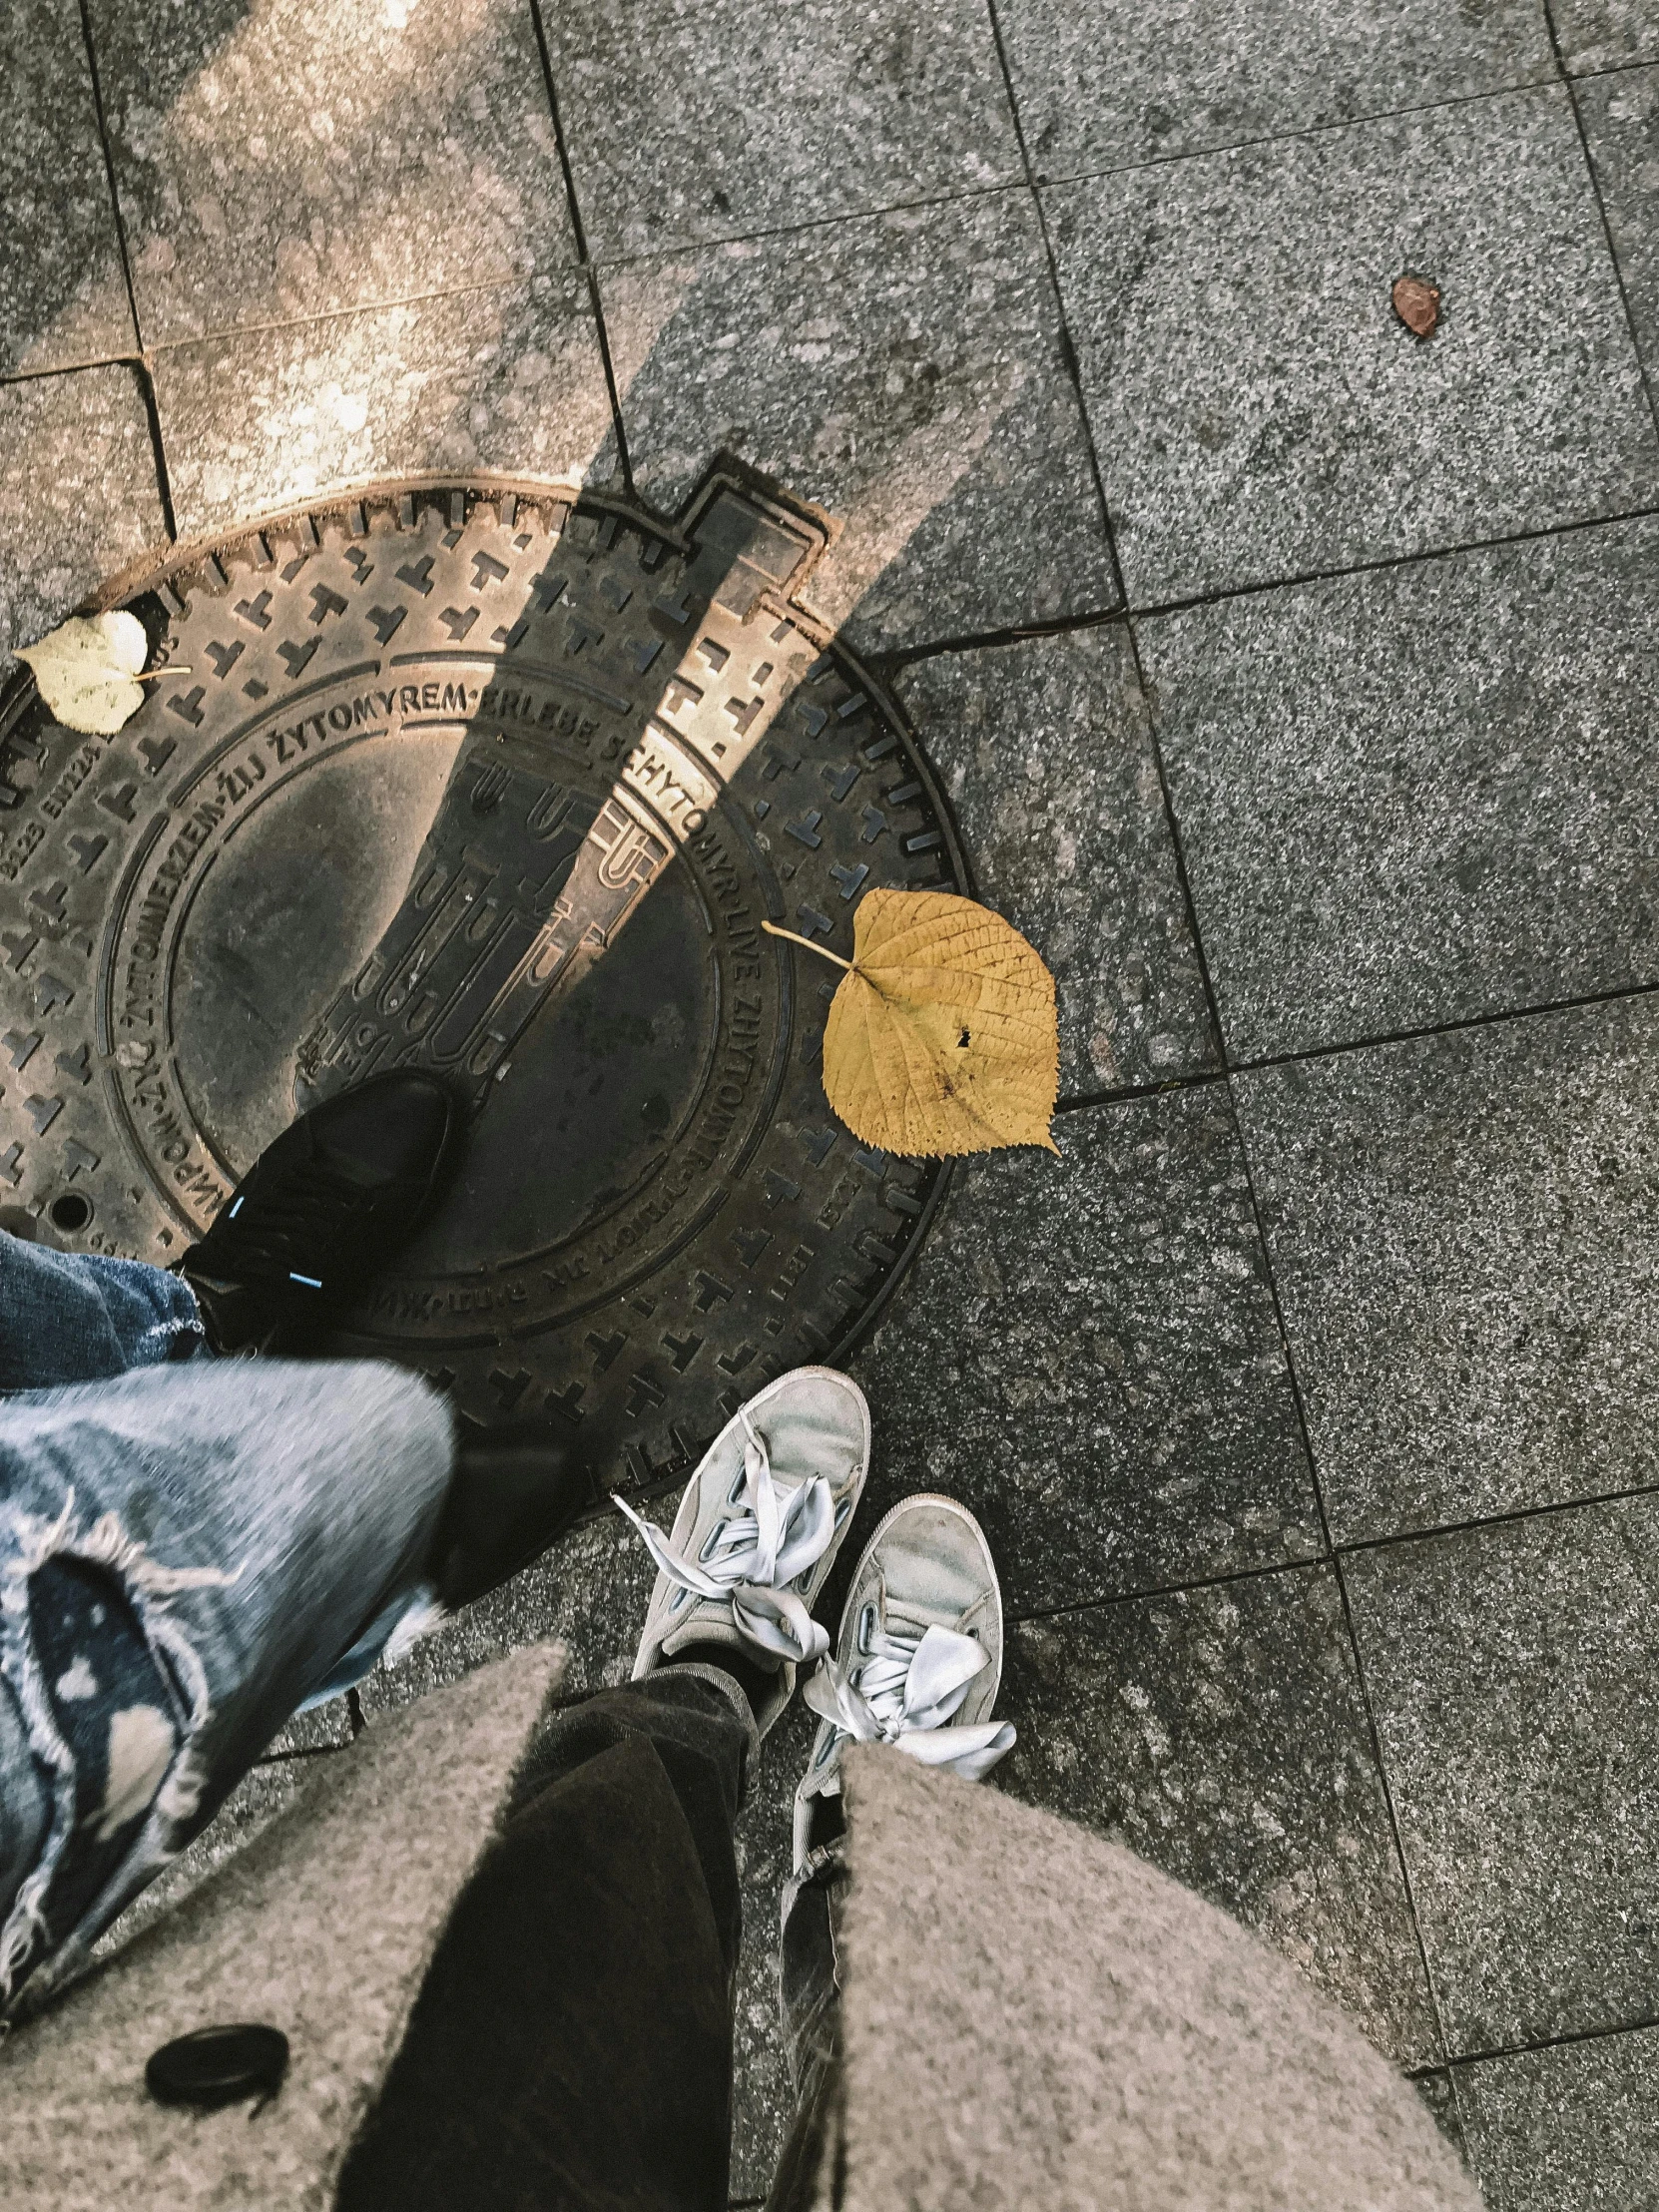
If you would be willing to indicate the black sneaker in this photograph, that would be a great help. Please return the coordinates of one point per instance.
(323, 1209)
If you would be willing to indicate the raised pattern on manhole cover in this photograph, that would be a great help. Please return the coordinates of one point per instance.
(435, 748)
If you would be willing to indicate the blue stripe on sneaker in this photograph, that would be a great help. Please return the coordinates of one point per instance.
(311, 1281)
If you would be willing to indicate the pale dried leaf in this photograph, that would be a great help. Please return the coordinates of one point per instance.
(84, 671)
(942, 1037)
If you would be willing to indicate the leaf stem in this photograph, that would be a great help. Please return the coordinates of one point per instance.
(153, 675)
(772, 929)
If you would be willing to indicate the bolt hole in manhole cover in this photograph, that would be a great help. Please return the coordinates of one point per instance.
(487, 779)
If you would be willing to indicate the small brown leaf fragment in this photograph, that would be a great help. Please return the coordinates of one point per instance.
(1417, 304)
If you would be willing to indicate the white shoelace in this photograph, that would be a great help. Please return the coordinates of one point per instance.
(906, 1692)
(775, 1540)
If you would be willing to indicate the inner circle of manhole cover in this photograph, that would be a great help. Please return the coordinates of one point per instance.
(435, 748)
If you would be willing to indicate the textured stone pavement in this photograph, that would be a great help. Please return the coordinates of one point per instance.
(1310, 1395)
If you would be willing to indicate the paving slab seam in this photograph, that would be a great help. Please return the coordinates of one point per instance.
(1602, 209)
(1188, 908)
(1142, 1596)
(1001, 185)
(1537, 1011)
(1436, 2012)
(1218, 1035)
(1087, 1101)
(1613, 69)
(578, 228)
(1493, 1520)
(158, 447)
(1150, 610)
(1633, 2027)
(1068, 346)
(132, 359)
(230, 333)
(147, 383)
(1304, 131)
(579, 232)
(900, 657)
(109, 168)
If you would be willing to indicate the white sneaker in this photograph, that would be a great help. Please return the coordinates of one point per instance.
(759, 1529)
(918, 1660)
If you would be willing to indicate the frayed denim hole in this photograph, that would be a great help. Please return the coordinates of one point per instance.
(115, 1709)
(95, 1662)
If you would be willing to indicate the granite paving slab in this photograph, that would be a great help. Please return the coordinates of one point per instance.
(1085, 1354)
(1605, 34)
(63, 292)
(1621, 124)
(1513, 1675)
(1465, 1231)
(78, 494)
(1259, 408)
(1423, 793)
(283, 159)
(1573, 2128)
(1221, 1734)
(507, 377)
(903, 372)
(1046, 753)
(1108, 83)
(777, 115)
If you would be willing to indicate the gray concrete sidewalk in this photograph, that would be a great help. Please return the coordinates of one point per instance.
(1296, 684)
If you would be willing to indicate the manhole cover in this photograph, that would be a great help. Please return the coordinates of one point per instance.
(480, 779)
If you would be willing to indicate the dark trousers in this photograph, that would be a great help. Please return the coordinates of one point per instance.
(571, 2045)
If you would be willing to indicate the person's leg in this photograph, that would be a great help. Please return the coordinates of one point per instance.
(74, 1316)
(187, 1556)
(186, 1553)
(313, 1219)
(572, 2043)
(917, 1663)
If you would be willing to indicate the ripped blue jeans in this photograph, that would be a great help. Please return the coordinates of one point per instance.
(191, 1549)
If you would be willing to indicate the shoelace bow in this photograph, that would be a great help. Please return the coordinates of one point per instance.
(906, 1692)
(780, 1534)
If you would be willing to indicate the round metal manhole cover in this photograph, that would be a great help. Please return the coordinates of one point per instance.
(480, 779)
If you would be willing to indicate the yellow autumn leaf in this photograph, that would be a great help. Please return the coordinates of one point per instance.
(942, 1037)
(85, 670)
